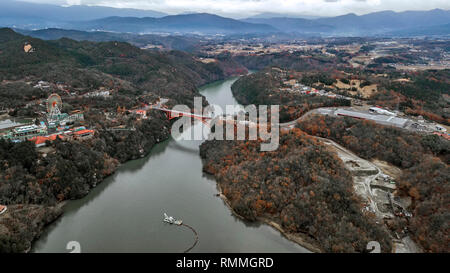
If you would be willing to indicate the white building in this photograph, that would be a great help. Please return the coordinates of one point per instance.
(381, 111)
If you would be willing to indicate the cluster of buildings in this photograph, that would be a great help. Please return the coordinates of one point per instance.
(424, 56)
(60, 120)
(76, 133)
(141, 113)
(25, 132)
(293, 86)
(42, 85)
(43, 132)
(54, 125)
(257, 48)
(98, 93)
(387, 118)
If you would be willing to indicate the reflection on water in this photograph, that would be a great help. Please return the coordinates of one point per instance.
(124, 213)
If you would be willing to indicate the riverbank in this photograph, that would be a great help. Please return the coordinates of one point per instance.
(296, 238)
(20, 225)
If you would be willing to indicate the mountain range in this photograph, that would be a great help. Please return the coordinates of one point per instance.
(31, 16)
(184, 23)
(377, 23)
(34, 15)
(267, 15)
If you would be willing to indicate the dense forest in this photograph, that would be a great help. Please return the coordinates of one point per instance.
(428, 184)
(423, 158)
(16, 94)
(427, 94)
(369, 140)
(302, 186)
(68, 172)
(86, 66)
(183, 43)
(22, 224)
(31, 180)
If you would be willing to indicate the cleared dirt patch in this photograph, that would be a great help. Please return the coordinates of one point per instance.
(388, 169)
(365, 91)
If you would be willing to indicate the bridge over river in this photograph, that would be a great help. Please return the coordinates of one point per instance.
(124, 213)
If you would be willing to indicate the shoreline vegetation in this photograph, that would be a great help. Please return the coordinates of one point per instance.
(300, 238)
(296, 238)
(302, 189)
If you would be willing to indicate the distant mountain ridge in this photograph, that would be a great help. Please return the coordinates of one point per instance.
(385, 21)
(31, 16)
(268, 15)
(21, 14)
(298, 25)
(376, 23)
(184, 23)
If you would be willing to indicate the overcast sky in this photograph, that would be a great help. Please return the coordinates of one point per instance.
(245, 8)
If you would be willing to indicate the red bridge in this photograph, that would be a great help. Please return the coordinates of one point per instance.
(171, 114)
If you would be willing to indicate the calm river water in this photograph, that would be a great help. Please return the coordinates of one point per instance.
(125, 212)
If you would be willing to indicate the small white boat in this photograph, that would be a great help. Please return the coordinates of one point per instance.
(3, 209)
(172, 220)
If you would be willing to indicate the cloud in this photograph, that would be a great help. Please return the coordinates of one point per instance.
(245, 8)
(73, 2)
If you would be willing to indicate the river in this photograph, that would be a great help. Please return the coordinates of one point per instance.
(124, 213)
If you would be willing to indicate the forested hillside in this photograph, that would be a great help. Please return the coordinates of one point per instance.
(89, 65)
(297, 61)
(424, 160)
(302, 186)
(426, 94)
